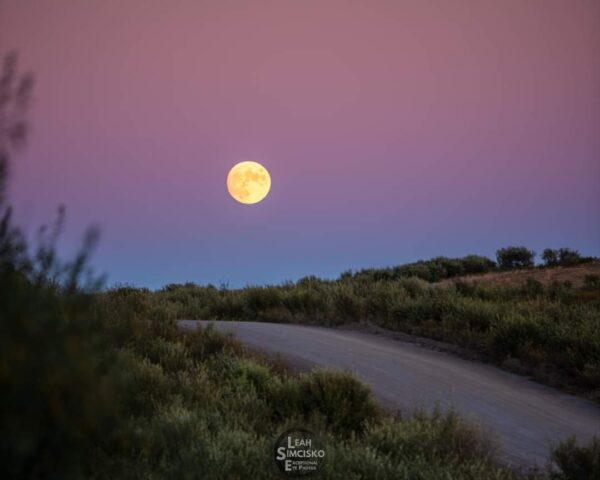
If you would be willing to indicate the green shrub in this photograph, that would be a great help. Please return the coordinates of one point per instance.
(345, 403)
(347, 305)
(515, 257)
(577, 462)
(60, 384)
(203, 343)
(532, 288)
(306, 304)
(433, 436)
(550, 257)
(507, 337)
(433, 270)
(561, 291)
(414, 286)
(568, 257)
(258, 299)
(564, 257)
(425, 447)
(147, 383)
(471, 313)
(474, 264)
(248, 372)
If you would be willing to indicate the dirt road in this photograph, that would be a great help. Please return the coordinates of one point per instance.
(524, 416)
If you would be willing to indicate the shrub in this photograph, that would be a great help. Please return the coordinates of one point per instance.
(550, 257)
(414, 286)
(507, 337)
(261, 298)
(347, 305)
(346, 404)
(147, 384)
(591, 281)
(434, 270)
(206, 342)
(446, 434)
(532, 287)
(248, 372)
(473, 313)
(564, 257)
(473, 264)
(306, 303)
(515, 257)
(60, 384)
(569, 257)
(561, 291)
(577, 462)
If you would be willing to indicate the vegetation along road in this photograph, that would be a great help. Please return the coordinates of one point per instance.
(525, 417)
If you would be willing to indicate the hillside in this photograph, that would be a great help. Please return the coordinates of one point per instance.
(539, 321)
(575, 274)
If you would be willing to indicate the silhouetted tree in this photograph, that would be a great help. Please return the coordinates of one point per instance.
(562, 256)
(550, 257)
(568, 256)
(515, 257)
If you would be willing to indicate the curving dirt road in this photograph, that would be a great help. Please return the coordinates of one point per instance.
(525, 417)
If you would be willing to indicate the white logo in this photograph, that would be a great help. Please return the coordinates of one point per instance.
(299, 452)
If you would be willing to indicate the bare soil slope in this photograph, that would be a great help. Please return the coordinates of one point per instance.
(575, 274)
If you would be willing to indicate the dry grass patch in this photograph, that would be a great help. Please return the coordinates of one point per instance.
(576, 275)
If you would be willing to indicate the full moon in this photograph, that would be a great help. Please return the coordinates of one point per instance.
(248, 182)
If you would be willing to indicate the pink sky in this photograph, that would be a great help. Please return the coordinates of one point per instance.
(393, 130)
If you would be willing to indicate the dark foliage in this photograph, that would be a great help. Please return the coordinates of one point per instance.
(564, 257)
(577, 462)
(515, 257)
(433, 270)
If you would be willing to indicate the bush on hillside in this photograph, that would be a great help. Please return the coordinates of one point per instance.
(515, 257)
(550, 257)
(434, 270)
(563, 256)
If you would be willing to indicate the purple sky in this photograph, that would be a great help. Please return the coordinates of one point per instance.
(393, 130)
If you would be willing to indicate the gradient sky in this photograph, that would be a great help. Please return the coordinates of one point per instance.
(393, 130)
